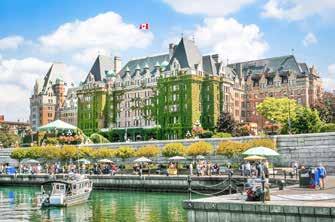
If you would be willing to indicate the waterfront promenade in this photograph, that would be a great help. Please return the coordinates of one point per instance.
(291, 204)
(203, 184)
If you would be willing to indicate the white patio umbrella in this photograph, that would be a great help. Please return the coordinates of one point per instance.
(200, 157)
(30, 161)
(142, 160)
(57, 125)
(84, 161)
(261, 151)
(105, 161)
(177, 158)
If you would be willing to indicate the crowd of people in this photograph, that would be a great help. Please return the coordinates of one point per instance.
(255, 169)
(207, 168)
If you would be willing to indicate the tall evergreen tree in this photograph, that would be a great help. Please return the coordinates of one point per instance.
(226, 123)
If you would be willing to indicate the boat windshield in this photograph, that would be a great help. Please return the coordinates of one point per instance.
(59, 188)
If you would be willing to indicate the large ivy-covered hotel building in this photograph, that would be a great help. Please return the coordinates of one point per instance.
(163, 96)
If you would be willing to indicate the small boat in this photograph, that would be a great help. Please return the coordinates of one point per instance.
(62, 193)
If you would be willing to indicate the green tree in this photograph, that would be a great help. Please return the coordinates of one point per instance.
(326, 107)
(173, 149)
(125, 152)
(8, 139)
(278, 110)
(306, 121)
(226, 123)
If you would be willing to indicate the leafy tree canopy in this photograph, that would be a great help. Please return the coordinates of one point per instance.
(278, 110)
(226, 123)
(306, 121)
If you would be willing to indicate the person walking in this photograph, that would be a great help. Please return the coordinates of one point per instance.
(322, 175)
(247, 169)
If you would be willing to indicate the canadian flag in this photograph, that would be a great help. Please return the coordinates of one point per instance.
(144, 26)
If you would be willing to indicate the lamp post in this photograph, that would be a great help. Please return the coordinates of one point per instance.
(289, 115)
(126, 123)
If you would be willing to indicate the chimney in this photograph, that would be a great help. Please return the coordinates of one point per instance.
(117, 64)
(239, 69)
(172, 48)
(215, 57)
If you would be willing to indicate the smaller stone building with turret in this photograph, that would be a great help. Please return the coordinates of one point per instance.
(49, 96)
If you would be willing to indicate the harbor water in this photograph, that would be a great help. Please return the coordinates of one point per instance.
(18, 204)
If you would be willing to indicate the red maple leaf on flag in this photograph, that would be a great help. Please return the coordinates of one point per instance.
(144, 26)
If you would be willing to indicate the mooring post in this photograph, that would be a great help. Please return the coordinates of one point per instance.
(189, 180)
(229, 179)
(285, 177)
(273, 172)
(296, 173)
(263, 188)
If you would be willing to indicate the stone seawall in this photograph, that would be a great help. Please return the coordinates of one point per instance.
(129, 182)
(307, 149)
(241, 211)
(205, 184)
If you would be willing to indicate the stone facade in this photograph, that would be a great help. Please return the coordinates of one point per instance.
(277, 77)
(68, 112)
(170, 92)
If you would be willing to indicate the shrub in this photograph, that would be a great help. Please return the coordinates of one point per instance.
(231, 148)
(206, 134)
(34, 152)
(69, 152)
(51, 141)
(19, 154)
(51, 153)
(125, 152)
(269, 143)
(222, 135)
(85, 152)
(100, 153)
(148, 151)
(328, 127)
(199, 148)
(173, 149)
(97, 138)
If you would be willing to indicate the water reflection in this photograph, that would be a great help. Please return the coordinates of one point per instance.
(17, 204)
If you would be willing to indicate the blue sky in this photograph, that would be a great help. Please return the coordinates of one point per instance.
(33, 34)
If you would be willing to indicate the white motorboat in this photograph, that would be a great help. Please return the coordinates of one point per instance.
(71, 191)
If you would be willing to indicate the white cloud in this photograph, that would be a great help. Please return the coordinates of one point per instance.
(11, 42)
(87, 56)
(208, 7)
(17, 81)
(106, 31)
(329, 80)
(309, 39)
(231, 39)
(295, 10)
